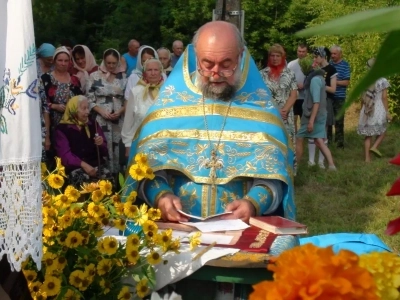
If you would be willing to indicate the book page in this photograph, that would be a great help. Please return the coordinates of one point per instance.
(220, 225)
(201, 218)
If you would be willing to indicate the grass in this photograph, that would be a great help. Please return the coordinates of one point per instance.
(353, 199)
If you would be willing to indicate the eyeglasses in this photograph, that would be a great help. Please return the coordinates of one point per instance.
(222, 73)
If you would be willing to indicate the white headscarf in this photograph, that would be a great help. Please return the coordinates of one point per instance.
(118, 69)
(83, 74)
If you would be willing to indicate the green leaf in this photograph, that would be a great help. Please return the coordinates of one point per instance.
(377, 20)
(387, 63)
(121, 180)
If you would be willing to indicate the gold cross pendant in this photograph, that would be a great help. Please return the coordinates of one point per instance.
(214, 164)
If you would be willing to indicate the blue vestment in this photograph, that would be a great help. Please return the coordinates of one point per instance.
(253, 146)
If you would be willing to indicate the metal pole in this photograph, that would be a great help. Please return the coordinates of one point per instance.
(229, 11)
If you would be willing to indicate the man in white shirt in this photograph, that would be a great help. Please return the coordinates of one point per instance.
(302, 51)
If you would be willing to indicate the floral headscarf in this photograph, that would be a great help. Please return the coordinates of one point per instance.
(71, 114)
(151, 89)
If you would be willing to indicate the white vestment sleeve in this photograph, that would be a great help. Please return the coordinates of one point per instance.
(128, 126)
(132, 82)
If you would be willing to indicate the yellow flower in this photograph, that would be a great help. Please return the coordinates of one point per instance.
(164, 239)
(39, 295)
(62, 262)
(34, 287)
(149, 226)
(59, 167)
(148, 172)
(55, 181)
(154, 258)
(141, 159)
(104, 266)
(130, 210)
(106, 285)
(50, 261)
(76, 277)
(74, 239)
(120, 224)
(71, 295)
(133, 240)
(124, 294)
(95, 210)
(65, 221)
(136, 172)
(78, 212)
(30, 275)
(194, 240)
(154, 214)
(105, 187)
(385, 268)
(131, 197)
(116, 198)
(46, 199)
(62, 201)
(174, 246)
(142, 289)
(72, 193)
(132, 254)
(142, 216)
(51, 285)
(119, 207)
(43, 169)
(90, 271)
(97, 196)
(89, 188)
(110, 245)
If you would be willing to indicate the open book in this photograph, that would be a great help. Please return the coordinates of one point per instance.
(214, 217)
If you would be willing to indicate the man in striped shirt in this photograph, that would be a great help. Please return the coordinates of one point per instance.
(343, 79)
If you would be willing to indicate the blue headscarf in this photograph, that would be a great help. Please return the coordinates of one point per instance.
(46, 50)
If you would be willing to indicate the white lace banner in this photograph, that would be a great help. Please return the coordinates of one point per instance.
(20, 137)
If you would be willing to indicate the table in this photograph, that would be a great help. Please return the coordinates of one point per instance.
(244, 268)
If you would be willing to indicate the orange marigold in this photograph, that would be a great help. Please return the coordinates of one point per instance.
(310, 272)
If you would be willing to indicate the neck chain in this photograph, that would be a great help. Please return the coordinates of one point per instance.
(214, 163)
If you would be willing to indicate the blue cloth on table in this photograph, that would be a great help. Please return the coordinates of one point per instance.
(359, 243)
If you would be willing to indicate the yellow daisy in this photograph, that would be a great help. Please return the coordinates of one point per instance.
(154, 258)
(132, 254)
(65, 221)
(50, 261)
(148, 172)
(119, 207)
(141, 288)
(76, 277)
(51, 285)
(130, 210)
(133, 240)
(124, 294)
(120, 224)
(43, 169)
(131, 197)
(72, 193)
(116, 198)
(142, 216)
(97, 196)
(95, 210)
(34, 287)
(110, 245)
(89, 188)
(174, 246)
(60, 168)
(154, 214)
(194, 240)
(149, 226)
(71, 295)
(90, 270)
(136, 172)
(105, 187)
(39, 295)
(62, 201)
(74, 239)
(86, 281)
(30, 275)
(55, 181)
(141, 159)
(106, 285)
(104, 266)
(164, 239)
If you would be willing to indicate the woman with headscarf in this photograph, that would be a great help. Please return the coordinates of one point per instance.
(106, 97)
(282, 83)
(142, 97)
(313, 120)
(84, 64)
(374, 115)
(56, 88)
(80, 143)
(44, 59)
(145, 53)
(322, 56)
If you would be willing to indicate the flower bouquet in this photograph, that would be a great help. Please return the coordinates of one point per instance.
(78, 261)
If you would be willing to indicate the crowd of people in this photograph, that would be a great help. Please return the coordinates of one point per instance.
(82, 102)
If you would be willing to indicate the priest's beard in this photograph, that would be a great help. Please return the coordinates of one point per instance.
(225, 91)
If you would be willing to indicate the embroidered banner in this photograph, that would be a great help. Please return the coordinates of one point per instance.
(20, 137)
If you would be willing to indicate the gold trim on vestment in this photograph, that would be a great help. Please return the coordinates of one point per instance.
(227, 136)
(213, 201)
(207, 180)
(188, 80)
(204, 200)
(197, 111)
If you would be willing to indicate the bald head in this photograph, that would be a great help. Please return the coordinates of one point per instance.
(133, 47)
(177, 48)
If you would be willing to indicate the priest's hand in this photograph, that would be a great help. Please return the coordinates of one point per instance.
(168, 205)
(241, 209)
